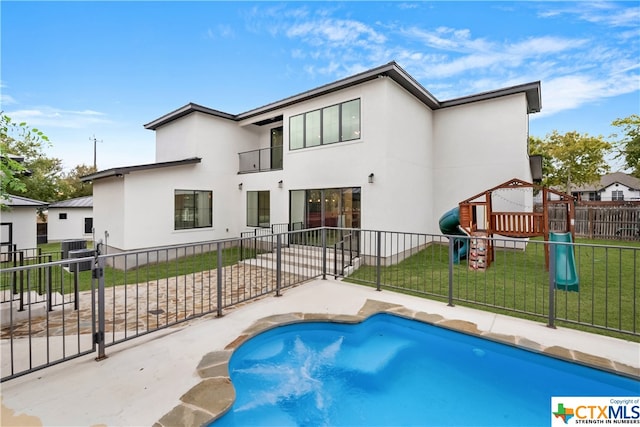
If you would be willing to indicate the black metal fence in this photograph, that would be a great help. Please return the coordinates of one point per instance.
(110, 298)
(595, 286)
(68, 308)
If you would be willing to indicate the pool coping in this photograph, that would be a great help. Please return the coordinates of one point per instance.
(214, 395)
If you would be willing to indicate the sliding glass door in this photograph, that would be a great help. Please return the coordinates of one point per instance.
(330, 207)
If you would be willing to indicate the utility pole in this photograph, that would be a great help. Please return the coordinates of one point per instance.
(95, 164)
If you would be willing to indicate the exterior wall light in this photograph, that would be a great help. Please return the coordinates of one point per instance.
(240, 186)
(371, 178)
(280, 184)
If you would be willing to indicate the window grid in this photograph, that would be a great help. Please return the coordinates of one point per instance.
(299, 137)
(193, 209)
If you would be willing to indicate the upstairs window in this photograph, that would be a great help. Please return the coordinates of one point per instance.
(336, 123)
(193, 209)
(62, 215)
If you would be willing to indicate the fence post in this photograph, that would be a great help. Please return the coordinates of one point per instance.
(219, 278)
(278, 263)
(378, 258)
(552, 283)
(49, 284)
(451, 261)
(21, 274)
(76, 291)
(324, 253)
(335, 260)
(98, 273)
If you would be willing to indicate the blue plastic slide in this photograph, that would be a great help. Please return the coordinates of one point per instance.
(566, 274)
(449, 225)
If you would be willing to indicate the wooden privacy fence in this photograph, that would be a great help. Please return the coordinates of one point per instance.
(596, 222)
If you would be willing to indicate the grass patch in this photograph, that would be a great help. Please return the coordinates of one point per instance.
(517, 283)
(62, 280)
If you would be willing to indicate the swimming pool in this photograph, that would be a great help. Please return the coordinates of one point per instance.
(389, 370)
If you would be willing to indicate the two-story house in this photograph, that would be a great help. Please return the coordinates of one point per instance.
(375, 151)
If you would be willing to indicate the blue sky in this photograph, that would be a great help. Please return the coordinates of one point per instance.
(78, 69)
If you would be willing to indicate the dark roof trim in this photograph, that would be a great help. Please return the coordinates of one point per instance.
(183, 111)
(532, 91)
(391, 70)
(128, 169)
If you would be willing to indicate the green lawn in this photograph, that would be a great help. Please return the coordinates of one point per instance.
(61, 280)
(517, 283)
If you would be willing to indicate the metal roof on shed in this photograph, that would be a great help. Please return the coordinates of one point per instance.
(78, 202)
(15, 201)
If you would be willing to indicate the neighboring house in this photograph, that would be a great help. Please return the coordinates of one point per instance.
(372, 151)
(70, 219)
(18, 229)
(613, 187)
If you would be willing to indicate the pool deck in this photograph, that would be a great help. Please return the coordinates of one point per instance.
(165, 379)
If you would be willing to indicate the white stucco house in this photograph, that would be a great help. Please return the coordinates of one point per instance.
(70, 219)
(374, 151)
(612, 187)
(18, 229)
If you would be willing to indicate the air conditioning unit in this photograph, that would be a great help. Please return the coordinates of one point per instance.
(72, 245)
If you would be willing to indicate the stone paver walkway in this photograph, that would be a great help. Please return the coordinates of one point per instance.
(146, 306)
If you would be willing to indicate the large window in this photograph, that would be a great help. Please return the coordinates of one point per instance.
(193, 209)
(258, 209)
(337, 123)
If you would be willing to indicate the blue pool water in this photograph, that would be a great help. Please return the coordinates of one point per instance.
(392, 371)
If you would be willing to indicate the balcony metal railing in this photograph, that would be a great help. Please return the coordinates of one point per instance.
(265, 159)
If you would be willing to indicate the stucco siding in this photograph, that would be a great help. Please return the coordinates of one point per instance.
(109, 211)
(478, 146)
(24, 227)
(407, 184)
(70, 228)
(177, 140)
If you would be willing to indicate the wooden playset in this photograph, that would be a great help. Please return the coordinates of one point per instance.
(479, 220)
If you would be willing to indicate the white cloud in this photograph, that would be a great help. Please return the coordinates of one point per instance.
(449, 39)
(335, 32)
(51, 117)
(570, 92)
(603, 13)
(220, 32)
(452, 62)
(6, 100)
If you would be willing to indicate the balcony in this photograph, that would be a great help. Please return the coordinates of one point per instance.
(263, 160)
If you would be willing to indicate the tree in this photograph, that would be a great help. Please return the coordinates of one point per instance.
(629, 147)
(18, 143)
(571, 159)
(45, 180)
(72, 186)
